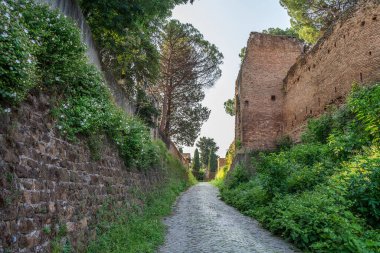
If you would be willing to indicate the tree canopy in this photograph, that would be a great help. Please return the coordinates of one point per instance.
(206, 145)
(310, 18)
(126, 31)
(188, 65)
(284, 32)
(229, 107)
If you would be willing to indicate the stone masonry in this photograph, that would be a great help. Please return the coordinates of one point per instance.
(280, 87)
(47, 182)
(259, 97)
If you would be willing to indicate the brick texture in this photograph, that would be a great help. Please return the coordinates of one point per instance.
(279, 87)
(47, 181)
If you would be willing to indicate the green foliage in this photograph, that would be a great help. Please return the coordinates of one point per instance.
(127, 34)
(190, 64)
(196, 162)
(146, 109)
(205, 145)
(138, 227)
(242, 54)
(284, 142)
(17, 63)
(212, 161)
(45, 44)
(310, 18)
(322, 195)
(278, 31)
(229, 107)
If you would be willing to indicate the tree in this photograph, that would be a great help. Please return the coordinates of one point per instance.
(229, 107)
(188, 64)
(212, 161)
(310, 18)
(242, 54)
(205, 145)
(278, 31)
(196, 162)
(126, 31)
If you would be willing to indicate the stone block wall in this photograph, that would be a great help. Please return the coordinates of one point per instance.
(46, 181)
(348, 53)
(259, 92)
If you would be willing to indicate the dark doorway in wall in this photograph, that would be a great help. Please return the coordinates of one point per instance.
(273, 98)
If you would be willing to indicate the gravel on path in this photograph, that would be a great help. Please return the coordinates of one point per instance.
(201, 222)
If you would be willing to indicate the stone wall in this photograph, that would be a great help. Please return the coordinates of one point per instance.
(349, 52)
(46, 181)
(259, 93)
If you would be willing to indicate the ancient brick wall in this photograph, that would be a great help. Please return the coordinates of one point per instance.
(348, 53)
(259, 92)
(47, 182)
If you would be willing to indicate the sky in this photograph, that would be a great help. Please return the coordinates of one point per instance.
(227, 24)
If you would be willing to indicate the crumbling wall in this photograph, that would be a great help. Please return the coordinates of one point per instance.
(348, 53)
(259, 92)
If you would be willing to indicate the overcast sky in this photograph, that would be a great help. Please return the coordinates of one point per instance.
(227, 24)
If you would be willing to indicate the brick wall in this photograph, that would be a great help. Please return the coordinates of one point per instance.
(259, 93)
(304, 85)
(46, 181)
(349, 52)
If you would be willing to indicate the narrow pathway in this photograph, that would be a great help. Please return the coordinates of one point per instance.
(203, 223)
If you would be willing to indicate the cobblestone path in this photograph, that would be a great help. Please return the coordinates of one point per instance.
(203, 223)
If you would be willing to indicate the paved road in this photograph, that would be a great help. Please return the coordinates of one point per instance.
(203, 223)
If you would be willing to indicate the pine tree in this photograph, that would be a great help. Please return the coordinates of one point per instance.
(196, 162)
(212, 161)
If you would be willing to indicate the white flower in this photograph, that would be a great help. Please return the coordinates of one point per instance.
(11, 68)
(26, 31)
(6, 27)
(20, 15)
(14, 94)
(33, 41)
(7, 110)
(65, 106)
(4, 3)
(82, 123)
(17, 61)
(57, 79)
(62, 116)
(7, 15)
(59, 127)
(4, 35)
(29, 61)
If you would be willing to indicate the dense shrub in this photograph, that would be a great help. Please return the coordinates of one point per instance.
(324, 194)
(17, 63)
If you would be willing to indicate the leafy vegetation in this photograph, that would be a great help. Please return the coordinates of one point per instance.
(138, 227)
(127, 32)
(278, 31)
(55, 61)
(229, 107)
(309, 19)
(323, 195)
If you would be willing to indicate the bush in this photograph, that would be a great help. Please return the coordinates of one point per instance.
(324, 194)
(17, 63)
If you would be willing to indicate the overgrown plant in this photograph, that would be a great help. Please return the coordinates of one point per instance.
(43, 49)
(323, 195)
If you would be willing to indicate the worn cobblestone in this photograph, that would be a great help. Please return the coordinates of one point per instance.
(201, 222)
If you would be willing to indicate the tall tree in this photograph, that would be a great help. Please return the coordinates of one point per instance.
(205, 145)
(212, 161)
(310, 18)
(196, 162)
(126, 32)
(229, 107)
(188, 65)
